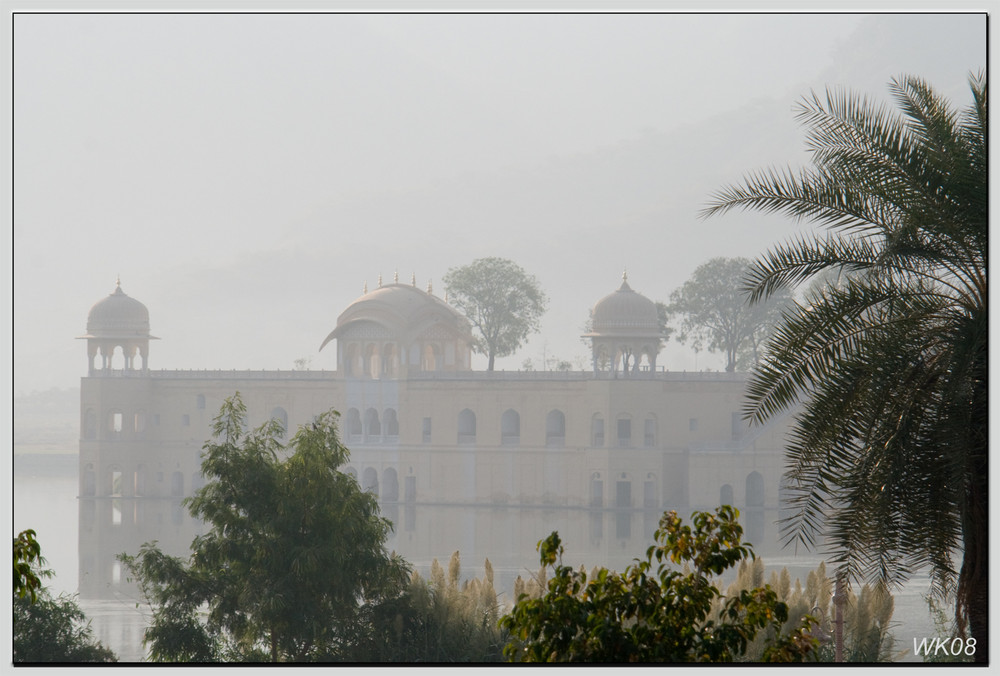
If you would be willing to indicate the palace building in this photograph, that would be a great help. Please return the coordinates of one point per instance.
(626, 437)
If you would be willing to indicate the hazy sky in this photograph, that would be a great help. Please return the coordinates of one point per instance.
(246, 174)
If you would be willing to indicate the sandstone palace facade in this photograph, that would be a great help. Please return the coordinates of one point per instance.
(625, 437)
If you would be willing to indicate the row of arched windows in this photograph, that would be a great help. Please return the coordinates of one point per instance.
(754, 491)
(388, 489)
(116, 424)
(386, 359)
(117, 356)
(372, 428)
(141, 482)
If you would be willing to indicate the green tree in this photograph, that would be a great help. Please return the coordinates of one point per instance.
(27, 562)
(294, 549)
(47, 629)
(888, 455)
(55, 630)
(715, 314)
(653, 612)
(504, 303)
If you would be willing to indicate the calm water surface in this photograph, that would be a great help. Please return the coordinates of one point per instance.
(45, 489)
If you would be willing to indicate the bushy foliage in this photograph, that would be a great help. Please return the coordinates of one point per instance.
(47, 629)
(295, 549)
(55, 630)
(435, 620)
(653, 612)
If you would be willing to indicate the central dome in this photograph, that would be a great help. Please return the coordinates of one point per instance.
(625, 313)
(118, 316)
(402, 311)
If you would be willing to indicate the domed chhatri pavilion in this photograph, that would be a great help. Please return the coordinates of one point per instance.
(626, 330)
(118, 322)
(624, 440)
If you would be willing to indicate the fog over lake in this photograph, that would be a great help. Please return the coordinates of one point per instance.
(248, 176)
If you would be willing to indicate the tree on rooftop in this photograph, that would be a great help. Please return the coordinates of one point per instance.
(504, 303)
(888, 455)
(715, 314)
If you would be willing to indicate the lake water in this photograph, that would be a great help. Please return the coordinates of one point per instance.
(45, 489)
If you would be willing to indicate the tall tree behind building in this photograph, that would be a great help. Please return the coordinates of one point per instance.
(714, 314)
(504, 303)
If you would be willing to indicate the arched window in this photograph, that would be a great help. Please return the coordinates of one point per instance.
(351, 359)
(373, 361)
(370, 482)
(117, 360)
(726, 495)
(115, 483)
(510, 428)
(115, 422)
(90, 424)
(649, 432)
(623, 492)
(200, 402)
(373, 430)
(650, 492)
(466, 427)
(555, 428)
(390, 485)
(281, 415)
(351, 472)
(353, 425)
(596, 490)
(89, 488)
(139, 424)
(602, 359)
(431, 358)
(755, 490)
(624, 429)
(176, 484)
(139, 481)
(597, 431)
(390, 361)
(391, 424)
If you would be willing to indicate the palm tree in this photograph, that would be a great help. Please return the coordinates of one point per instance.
(887, 371)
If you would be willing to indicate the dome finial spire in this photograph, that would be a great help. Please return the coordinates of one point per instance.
(395, 276)
(365, 289)
(380, 280)
(625, 274)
